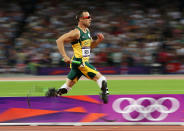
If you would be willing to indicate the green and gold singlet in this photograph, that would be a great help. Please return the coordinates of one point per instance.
(81, 47)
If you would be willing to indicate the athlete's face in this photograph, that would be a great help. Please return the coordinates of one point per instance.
(86, 19)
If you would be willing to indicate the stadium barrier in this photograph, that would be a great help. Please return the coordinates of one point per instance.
(89, 110)
(171, 68)
(104, 70)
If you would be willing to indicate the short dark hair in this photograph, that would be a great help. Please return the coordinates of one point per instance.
(79, 14)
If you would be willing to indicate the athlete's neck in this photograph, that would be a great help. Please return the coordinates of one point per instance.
(83, 28)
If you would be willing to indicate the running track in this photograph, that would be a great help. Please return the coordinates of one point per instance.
(93, 128)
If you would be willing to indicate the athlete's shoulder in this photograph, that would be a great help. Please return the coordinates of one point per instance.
(76, 30)
(75, 33)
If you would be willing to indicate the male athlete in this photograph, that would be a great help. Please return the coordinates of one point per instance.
(82, 43)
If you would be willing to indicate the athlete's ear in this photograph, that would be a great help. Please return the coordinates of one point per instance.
(77, 18)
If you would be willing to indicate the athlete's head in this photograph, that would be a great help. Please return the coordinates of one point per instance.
(84, 18)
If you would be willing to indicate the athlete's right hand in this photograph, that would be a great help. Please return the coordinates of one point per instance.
(67, 59)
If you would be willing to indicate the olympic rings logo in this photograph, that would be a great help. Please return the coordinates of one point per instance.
(145, 112)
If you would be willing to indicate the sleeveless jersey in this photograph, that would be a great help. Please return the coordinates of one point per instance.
(81, 47)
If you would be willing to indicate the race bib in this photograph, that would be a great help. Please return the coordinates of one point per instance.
(85, 51)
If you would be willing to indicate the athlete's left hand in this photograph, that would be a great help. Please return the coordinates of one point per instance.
(100, 37)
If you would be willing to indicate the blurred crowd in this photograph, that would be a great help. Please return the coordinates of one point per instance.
(137, 33)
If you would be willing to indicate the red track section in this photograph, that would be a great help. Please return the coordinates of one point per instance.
(116, 77)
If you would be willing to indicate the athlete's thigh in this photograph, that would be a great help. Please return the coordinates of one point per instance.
(74, 74)
(88, 70)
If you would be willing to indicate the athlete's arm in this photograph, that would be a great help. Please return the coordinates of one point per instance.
(100, 38)
(66, 38)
